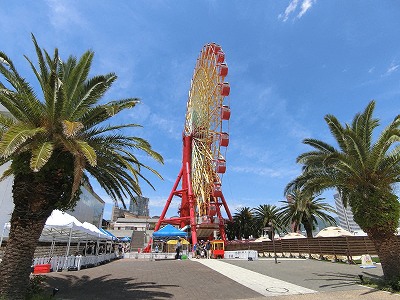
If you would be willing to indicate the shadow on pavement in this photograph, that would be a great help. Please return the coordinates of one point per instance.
(337, 280)
(84, 287)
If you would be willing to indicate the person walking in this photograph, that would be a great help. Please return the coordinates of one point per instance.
(178, 249)
(208, 249)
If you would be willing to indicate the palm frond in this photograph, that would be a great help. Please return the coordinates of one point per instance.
(41, 155)
(16, 136)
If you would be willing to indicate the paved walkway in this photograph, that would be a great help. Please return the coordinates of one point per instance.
(217, 279)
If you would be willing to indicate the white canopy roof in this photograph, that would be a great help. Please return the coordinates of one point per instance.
(61, 226)
(97, 231)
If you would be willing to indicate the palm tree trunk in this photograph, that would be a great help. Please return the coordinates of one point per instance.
(16, 265)
(32, 207)
(388, 251)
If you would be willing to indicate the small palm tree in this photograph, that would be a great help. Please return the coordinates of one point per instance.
(365, 173)
(243, 220)
(303, 209)
(266, 214)
(52, 142)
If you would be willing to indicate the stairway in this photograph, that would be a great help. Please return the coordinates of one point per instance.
(137, 241)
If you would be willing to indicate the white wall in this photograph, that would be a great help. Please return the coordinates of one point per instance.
(6, 203)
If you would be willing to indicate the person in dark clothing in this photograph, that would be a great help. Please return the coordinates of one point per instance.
(178, 249)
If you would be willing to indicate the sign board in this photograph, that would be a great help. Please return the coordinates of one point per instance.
(366, 262)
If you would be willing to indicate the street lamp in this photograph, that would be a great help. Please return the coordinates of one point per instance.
(271, 227)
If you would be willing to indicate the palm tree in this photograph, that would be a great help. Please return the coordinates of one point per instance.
(53, 142)
(266, 214)
(243, 220)
(303, 209)
(365, 173)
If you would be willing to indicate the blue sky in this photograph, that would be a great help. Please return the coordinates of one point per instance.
(290, 63)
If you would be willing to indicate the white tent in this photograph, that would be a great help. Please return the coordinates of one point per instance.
(62, 227)
(333, 232)
(97, 231)
(293, 235)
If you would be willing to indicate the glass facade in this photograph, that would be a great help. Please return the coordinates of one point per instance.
(90, 208)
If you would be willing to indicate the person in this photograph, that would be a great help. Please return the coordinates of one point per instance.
(195, 250)
(178, 248)
(208, 249)
(156, 249)
(120, 250)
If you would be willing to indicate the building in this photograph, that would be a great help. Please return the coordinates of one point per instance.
(139, 206)
(89, 208)
(345, 215)
(140, 229)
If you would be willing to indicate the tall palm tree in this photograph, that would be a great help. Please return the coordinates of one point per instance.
(53, 141)
(303, 209)
(243, 220)
(266, 214)
(365, 173)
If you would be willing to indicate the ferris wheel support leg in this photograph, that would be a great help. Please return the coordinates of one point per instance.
(191, 207)
(168, 201)
(162, 217)
(221, 224)
(226, 208)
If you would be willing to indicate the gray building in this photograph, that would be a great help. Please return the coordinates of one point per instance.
(345, 215)
(139, 206)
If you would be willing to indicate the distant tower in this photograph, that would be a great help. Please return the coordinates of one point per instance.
(139, 206)
(346, 219)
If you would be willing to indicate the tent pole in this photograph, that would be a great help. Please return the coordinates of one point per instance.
(52, 248)
(68, 246)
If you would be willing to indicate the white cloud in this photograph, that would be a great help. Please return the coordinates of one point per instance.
(292, 7)
(392, 68)
(63, 14)
(269, 172)
(289, 9)
(306, 5)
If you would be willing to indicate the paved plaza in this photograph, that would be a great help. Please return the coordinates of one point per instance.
(290, 279)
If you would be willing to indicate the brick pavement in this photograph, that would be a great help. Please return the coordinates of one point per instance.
(185, 279)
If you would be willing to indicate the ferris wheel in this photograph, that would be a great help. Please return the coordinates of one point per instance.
(206, 110)
(205, 140)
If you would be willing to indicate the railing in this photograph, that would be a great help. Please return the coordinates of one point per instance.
(72, 262)
(348, 247)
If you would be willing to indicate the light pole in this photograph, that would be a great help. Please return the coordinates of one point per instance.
(271, 226)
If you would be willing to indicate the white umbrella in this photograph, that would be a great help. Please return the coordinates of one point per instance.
(293, 235)
(333, 232)
(261, 239)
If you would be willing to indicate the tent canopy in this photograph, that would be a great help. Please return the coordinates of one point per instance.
(168, 231)
(96, 230)
(174, 242)
(113, 237)
(63, 227)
